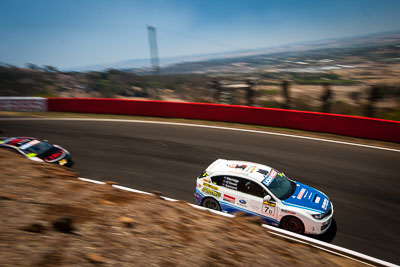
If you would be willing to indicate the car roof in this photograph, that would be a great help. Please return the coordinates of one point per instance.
(18, 141)
(254, 171)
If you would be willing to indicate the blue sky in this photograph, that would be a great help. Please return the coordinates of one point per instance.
(73, 33)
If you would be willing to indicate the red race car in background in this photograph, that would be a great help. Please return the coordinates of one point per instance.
(37, 150)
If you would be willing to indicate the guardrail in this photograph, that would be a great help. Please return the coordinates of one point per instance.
(369, 128)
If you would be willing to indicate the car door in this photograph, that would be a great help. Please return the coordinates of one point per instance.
(267, 209)
(233, 199)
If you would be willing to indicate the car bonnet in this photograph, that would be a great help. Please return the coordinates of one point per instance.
(306, 197)
(52, 154)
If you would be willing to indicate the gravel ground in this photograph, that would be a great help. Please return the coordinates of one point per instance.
(50, 218)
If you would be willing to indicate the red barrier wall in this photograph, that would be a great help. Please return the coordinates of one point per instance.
(310, 121)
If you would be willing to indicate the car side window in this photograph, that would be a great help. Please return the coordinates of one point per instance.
(227, 181)
(252, 188)
(217, 180)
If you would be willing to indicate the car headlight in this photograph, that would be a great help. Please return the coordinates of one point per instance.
(318, 216)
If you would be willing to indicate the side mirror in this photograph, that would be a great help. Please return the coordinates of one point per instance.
(267, 198)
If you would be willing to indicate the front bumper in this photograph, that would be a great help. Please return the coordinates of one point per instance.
(198, 196)
(318, 227)
(64, 161)
(69, 163)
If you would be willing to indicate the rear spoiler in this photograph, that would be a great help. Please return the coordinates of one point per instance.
(216, 163)
(210, 169)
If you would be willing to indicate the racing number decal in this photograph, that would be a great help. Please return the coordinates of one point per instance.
(268, 210)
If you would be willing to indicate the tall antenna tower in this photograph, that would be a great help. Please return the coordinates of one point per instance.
(155, 62)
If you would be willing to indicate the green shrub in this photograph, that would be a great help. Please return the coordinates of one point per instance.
(269, 92)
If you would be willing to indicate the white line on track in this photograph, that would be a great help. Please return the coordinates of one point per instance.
(91, 181)
(207, 126)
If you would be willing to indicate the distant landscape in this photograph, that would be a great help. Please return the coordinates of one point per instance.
(354, 76)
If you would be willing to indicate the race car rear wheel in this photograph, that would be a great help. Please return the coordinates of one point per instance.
(292, 224)
(211, 203)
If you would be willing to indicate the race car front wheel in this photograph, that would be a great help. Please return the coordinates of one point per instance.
(211, 203)
(292, 224)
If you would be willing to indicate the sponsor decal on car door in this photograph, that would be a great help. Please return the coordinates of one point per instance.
(243, 202)
(247, 203)
(257, 205)
(268, 209)
(229, 198)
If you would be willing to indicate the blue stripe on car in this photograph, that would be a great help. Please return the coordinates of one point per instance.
(301, 207)
(235, 209)
(231, 208)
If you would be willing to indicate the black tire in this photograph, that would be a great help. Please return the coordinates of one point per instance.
(292, 224)
(69, 163)
(211, 203)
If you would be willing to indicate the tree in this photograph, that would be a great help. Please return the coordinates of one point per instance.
(32, 66)
(49, 68)
(286, 93)
(326, 98)
(375, 94)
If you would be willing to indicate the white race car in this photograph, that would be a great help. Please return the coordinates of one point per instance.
(238, 186)
(37, 150)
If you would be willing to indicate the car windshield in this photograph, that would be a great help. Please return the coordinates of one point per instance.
(38, 148)
(281, 186)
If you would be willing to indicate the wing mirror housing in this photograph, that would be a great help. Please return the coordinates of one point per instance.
(267, 198)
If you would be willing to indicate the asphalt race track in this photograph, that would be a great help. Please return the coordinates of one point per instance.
(362, 182)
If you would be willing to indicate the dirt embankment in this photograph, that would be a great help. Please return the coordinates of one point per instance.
(50, 218)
